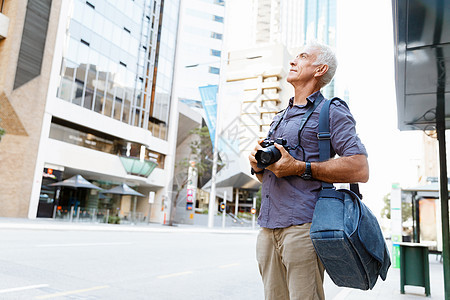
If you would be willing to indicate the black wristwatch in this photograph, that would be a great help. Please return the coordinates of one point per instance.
(307, 175)
(254, 172)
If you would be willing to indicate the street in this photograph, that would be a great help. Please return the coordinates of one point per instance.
(67, 261)
(39, 264)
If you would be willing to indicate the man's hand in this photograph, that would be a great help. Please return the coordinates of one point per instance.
(286, 165)
(252, 158)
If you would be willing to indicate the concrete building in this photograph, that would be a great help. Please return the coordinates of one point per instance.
(85, 89)
(200, 42)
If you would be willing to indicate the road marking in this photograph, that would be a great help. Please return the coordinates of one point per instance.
(342, 294)
(81, 244)
(73, 292)
(228, 266)
(174, 274)
(30, 287)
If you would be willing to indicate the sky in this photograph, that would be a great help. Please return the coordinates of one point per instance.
(365, 53)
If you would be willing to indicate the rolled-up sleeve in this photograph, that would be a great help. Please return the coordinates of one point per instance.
(344, 139)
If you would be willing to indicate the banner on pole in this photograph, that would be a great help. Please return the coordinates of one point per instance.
(209, 101)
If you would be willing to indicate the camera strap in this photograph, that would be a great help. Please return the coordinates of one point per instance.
(302, 121)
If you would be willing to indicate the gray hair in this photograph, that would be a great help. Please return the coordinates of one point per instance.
(326, 56)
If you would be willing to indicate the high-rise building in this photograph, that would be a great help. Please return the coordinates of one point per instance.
(200, 39)
(85, 89)
(198, 56)
(293, 22)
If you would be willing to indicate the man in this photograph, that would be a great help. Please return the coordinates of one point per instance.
(287, 261)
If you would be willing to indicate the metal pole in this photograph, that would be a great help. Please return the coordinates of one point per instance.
(254, 215)
(134, 208)
(222, 79)
(107, 216)
(443, 178)
(224, 213)
(149, 212)
(71, 214)
(236, 208)
(440, 128)
(54, 211)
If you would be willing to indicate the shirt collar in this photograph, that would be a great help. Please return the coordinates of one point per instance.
(311, 98)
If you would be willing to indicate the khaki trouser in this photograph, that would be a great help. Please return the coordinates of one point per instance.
(288, 264)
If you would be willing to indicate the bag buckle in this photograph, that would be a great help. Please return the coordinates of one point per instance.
(323, 136)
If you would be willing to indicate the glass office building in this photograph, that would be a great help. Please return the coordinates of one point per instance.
(118, 60)
(90, 95)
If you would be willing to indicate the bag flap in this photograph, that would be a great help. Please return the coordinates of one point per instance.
(372, 238)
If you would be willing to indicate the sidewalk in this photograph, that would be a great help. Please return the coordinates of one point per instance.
(389, 289)
(52, 224)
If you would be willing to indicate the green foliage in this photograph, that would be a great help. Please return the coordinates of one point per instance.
(2, 131)
(198, 147)
(114, 220)
(258, 200)
(386, 210)
(245, 215)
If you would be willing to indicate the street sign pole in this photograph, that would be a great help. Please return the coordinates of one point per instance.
(254, 215)
(224, 212)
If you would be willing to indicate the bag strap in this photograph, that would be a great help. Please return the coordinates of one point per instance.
(324, 137)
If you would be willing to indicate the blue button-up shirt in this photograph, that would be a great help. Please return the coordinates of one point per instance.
(291, 200)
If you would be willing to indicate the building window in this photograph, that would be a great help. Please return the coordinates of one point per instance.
(216, 52)
(216, 35)
(218, 19)
(78, 135)
(214, 70)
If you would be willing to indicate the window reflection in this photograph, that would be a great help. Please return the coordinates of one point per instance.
(92, 75)
(106, 143)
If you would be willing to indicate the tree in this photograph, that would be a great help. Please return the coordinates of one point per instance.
(200, 148)
(2, 131)
(386, 211)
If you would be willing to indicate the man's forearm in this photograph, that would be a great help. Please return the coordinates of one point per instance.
(343, 169)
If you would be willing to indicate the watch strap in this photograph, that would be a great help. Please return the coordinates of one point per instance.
(254, 172)
(307, 175)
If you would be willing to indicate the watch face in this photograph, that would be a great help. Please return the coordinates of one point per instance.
(306, 176)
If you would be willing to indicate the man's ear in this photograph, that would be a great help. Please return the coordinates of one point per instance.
(321, 70)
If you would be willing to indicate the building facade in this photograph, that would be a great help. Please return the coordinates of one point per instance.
(90, 96)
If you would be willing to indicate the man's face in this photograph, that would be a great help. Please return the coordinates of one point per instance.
(302, 69)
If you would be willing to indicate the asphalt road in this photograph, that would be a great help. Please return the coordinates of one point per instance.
(45, 264)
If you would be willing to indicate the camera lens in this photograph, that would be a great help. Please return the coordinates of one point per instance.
(266, 156)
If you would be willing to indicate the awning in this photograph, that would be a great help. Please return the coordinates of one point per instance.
(135, 166)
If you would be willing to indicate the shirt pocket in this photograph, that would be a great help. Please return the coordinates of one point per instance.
(308, 136)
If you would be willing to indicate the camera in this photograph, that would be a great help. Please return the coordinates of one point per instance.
(270, 153)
